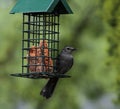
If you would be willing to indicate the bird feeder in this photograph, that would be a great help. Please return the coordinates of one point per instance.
(40, 36)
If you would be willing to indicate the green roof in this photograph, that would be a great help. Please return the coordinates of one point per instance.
(48, 6)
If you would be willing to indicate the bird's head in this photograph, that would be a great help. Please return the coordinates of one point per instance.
(69, 49)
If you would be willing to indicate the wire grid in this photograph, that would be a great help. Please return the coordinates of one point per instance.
(44, 28)
(40, 46)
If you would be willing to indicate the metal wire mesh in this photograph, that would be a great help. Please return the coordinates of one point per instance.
(40, 46)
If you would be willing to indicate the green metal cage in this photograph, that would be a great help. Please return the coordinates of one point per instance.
(40, 38)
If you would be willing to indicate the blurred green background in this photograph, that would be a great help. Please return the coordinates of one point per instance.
(94, 29)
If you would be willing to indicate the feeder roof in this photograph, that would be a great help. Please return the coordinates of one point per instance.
(47, 6)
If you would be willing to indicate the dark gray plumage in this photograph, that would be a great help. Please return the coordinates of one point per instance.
(63, 64)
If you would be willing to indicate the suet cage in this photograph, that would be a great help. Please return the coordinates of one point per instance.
(40, 38)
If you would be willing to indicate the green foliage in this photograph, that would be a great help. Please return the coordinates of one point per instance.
(94, 30)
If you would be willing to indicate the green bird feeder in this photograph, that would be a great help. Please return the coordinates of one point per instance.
(40, 36)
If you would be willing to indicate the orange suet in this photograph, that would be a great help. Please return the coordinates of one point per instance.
(33, 59)
(39, 59)
(47, 60)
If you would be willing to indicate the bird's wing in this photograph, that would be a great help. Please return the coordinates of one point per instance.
(64, 65)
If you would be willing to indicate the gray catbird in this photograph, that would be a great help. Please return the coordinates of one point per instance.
(63, 64)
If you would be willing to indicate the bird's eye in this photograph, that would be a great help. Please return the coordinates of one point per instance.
(68, 48)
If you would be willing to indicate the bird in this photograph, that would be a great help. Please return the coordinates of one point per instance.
(64, 63)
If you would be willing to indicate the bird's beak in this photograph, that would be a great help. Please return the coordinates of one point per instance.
(73, 49)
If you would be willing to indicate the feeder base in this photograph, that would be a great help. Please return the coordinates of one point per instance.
(42, 75)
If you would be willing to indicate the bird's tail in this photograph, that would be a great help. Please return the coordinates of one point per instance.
(48, 90)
